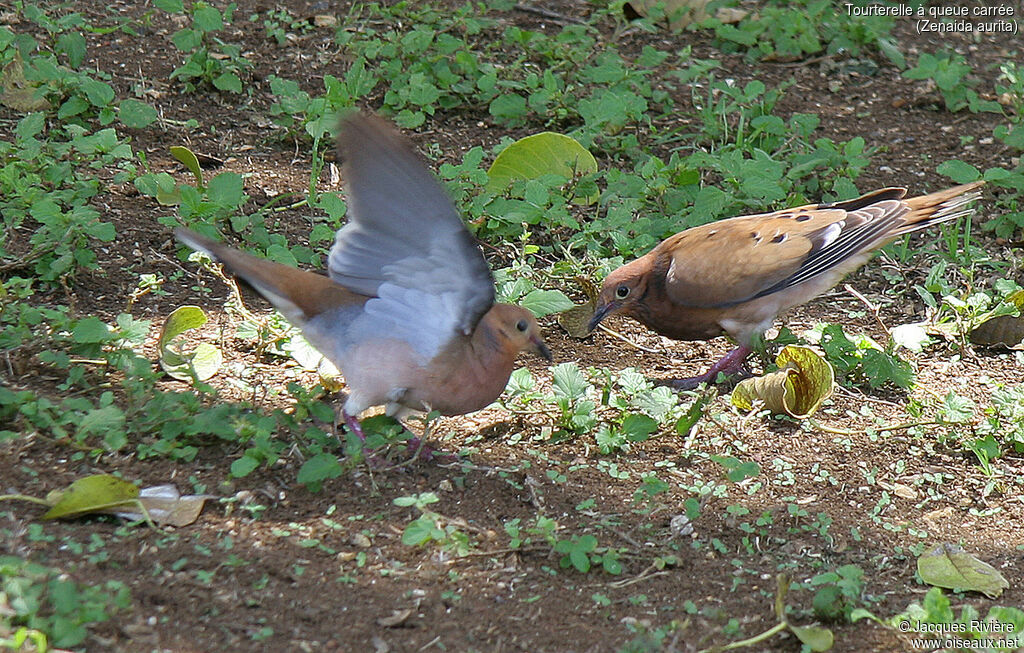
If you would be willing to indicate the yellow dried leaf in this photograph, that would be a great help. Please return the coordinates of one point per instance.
(804, 380)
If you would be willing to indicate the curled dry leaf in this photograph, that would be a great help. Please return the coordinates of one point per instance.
(730, 15)
(16, 92)
(397, 618)
(1002, 329)
(204, 361)
(109, 495)
(803, 382)
(576, 320)
(166, 505)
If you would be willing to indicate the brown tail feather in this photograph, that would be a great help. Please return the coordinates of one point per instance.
(296, 293)
(940, 206)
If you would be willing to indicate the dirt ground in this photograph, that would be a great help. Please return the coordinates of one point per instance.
(358, 588)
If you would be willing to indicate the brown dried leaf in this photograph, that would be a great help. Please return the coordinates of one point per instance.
(18, 93)
(680, 13)
(166, 505)
(576, 320)
(397, 618)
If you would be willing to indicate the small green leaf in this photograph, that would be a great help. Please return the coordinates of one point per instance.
(541, 154)
(693, 414)
(880, 367)
(136, 114)
(958, 171)
(546, 302)
(206, 18)
(244, 466)
(91, 494)
(568, 381)
(419, 531)
(638, 428)
(228, 82)
(90, 330)
(949, 566)
(814, 637)
(187, 158)
(226, 189)
(170, 6)
(319, 468)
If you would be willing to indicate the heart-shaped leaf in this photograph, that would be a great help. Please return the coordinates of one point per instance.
(541, 154)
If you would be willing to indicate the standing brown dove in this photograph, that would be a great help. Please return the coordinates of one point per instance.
(735, 276)
(407, 310)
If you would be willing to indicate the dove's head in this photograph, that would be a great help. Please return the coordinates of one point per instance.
(515, 329)
(623, 291)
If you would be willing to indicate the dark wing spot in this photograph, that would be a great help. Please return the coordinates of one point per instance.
(755, 235)
(784, 216)
(803, 217)
(779, 238)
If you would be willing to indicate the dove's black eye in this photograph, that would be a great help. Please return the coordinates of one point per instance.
(622, 292)
(521, 325)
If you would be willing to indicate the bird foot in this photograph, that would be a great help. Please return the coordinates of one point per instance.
(732, 365)
(417, 447)
(426, 452)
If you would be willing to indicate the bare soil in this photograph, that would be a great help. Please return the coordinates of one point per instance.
(361, 589)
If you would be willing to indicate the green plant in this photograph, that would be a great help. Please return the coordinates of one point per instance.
(209, 60)
(950, 73)
(60, 224)
(297, 112)
(432, 527)
(933, 618)
(1011, 90)
(793, 30)
(838, 592)
(47, 607)
(280, 24)
(863, 360)
(582, 552)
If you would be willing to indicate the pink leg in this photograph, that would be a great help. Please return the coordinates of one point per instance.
(427, 452)
(423, 450)
(353, 425)
(729, 364)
